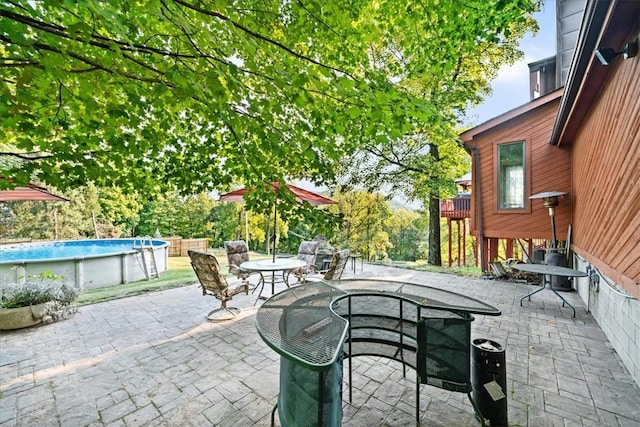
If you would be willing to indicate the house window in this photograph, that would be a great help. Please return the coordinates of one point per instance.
(511, 176)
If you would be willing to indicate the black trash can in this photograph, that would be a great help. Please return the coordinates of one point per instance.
(538, 256)
(559, 283)
(489, 381)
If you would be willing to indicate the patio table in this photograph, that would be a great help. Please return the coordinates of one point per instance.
(271, 266)
(314, 326)
(353, 258)
(547, 271)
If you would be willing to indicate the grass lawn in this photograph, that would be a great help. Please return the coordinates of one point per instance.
(180, 273)
(422, 265)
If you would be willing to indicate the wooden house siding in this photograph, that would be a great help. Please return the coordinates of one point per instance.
(606, 176)
(548, 168)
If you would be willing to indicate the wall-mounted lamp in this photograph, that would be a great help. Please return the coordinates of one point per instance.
(550, 200)
(605, 55)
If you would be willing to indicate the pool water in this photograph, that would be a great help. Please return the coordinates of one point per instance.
(29, 252)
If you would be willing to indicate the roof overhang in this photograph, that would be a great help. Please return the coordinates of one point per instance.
(605, 24)
(517, 112)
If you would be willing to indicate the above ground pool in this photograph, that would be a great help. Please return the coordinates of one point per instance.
(88, 263)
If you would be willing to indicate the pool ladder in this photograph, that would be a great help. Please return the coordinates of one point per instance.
(148, 256)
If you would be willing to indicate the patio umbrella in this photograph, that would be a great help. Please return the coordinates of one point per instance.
(301, 195)
(31, 192)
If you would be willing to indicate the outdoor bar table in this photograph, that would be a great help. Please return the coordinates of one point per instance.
(271, 266)
(547, 271)
(314, 326)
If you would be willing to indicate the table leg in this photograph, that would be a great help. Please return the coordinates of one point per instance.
(564, 301)
(321, 375)
(261, 285)
(273, 415)
(540, 289)
(285, 278)
(546, 281)
(273, 282)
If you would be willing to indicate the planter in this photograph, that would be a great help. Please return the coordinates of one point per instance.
(22, 317)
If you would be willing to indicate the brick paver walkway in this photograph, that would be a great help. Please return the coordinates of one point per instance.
(152, 360)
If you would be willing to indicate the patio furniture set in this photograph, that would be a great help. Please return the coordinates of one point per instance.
(314, 327)
(317, 324)
(273, 271)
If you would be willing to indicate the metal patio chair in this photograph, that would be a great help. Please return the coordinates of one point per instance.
(214, 283)
(307, 252)
(337, 265)
(237, 253)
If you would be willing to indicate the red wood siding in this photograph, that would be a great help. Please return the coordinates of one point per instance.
(606, 176)
(548, 168)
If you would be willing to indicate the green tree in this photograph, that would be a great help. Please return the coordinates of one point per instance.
(364, 218)
(228, 223)
(174, 215)
(158, 214)
(403, 234)
(120, 208)
(423, 161)
(30, 220)
(197, 96)
(196, 216)
(257, 231)
(74, 219)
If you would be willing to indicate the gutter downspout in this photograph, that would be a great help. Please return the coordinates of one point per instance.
(475, 155)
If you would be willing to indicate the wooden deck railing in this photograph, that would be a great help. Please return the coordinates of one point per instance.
(456, 208)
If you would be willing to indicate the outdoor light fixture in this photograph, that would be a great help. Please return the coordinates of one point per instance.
(605, 55)
(550, 200)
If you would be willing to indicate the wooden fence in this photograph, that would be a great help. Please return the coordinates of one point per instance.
(179, 246)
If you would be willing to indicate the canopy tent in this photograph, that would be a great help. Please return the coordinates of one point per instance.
(31, 192)
(301, 195)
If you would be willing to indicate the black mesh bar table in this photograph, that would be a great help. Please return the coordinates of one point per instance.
(547, 271)
(315, 326)
(299, 324)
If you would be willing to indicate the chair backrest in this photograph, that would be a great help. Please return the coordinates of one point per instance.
(498, 269)
(208, 271)
(337, 265)
(308, 252)
(237, 253)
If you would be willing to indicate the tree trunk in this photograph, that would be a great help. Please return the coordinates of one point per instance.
(435, 257)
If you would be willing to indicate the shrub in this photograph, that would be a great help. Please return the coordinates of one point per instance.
(45, 287)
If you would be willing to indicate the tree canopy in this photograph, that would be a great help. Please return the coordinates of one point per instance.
(201, 95)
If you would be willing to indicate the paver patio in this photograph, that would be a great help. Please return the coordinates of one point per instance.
(153, 360)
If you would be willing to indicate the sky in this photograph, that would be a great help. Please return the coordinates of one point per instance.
(511, 88)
